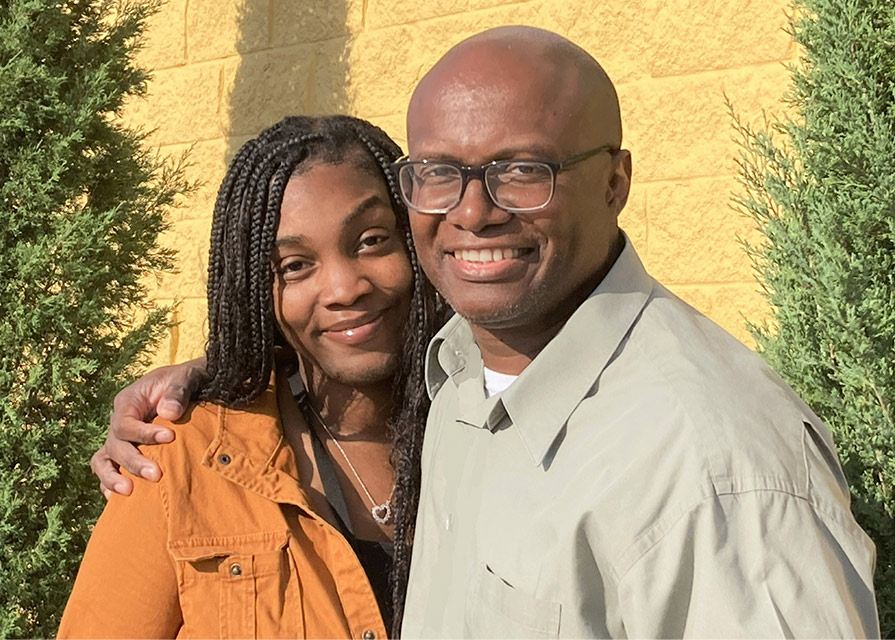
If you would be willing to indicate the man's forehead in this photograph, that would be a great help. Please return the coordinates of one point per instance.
(463, 97)
(480, 121)
(457, 127)
(485, 67)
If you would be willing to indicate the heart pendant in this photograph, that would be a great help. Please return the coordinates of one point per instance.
(382, 513)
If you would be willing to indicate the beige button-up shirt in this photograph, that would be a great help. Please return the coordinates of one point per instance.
(646, 476)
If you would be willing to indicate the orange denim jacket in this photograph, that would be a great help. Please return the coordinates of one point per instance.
(224, 545)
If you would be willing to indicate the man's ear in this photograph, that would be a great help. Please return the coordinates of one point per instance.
(619, 181)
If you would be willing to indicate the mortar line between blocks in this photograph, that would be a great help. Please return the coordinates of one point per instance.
(186, 33)
(707, 72)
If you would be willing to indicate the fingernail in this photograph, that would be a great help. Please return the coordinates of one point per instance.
(149, 473)
(164, 435)
(171, 405)
(119, 488)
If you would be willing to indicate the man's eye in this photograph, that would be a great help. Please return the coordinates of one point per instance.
(520, 167)
(527, 169)
(437, 172)
(524, 172)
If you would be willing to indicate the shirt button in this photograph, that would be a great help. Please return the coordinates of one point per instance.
(369, 635)
(235, 570)
(224, 459)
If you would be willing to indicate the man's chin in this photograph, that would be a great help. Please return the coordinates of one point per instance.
(493, 314)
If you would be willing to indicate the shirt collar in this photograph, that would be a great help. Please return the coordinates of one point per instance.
(448, 352)
(541, 400)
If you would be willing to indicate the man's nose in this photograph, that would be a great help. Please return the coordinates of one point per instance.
(476, 210)
(345, 283)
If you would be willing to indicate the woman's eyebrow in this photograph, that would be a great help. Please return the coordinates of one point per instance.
(293, 239)
(365, 205)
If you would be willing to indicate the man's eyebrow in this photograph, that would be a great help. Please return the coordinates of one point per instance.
(365, 205)
(532, 151)
(507, 153)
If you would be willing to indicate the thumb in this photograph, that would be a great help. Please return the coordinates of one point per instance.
(173, 402)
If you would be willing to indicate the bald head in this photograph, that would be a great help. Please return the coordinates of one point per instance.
(515, 63)
(506, 95)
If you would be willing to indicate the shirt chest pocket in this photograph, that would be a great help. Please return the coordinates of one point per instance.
(494, 609)
(237, 587)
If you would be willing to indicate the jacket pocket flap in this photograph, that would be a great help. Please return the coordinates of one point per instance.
(204, 548)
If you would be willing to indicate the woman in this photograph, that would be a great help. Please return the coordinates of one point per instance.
(287, 481)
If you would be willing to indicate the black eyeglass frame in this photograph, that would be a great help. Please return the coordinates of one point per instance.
(468, 173)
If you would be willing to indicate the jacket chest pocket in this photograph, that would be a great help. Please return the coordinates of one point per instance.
(237, 587)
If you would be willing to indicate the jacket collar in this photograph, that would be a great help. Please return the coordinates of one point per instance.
(250, 449)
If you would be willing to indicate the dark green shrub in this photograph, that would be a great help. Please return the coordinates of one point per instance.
(81, 207)
(821, 186)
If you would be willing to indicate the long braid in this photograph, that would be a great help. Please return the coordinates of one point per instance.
(240, 292)
(411, 400)
(240, 283)
(228, 187)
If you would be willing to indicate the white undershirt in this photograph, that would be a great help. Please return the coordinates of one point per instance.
(496, 382)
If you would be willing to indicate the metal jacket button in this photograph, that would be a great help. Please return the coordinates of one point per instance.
(369, 635)
(224, 459)
(235, 570)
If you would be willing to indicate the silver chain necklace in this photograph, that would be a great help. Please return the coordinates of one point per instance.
(382, 513)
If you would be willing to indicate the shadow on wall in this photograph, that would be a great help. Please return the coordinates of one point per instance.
(293, 61)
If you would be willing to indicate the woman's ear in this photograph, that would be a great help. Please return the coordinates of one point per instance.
(284, 357)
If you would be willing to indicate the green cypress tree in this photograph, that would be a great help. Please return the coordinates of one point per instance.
(81, 206)
(820, 184)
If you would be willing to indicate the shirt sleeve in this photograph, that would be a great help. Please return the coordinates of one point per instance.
(126, 586)
(750, 565)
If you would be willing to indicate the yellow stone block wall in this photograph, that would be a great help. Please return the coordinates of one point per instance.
(225, 69)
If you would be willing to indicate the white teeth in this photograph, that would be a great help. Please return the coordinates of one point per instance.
(487, 255)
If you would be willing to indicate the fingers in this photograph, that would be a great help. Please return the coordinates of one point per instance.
(126, 454)
(185, 380)
(129, 421)
(174, 402)
(134, 430)
(110, 480)
(165, 392)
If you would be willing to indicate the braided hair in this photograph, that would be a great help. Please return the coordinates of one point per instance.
(242, 328)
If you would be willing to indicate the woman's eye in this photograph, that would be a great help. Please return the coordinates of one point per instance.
(294, 266)
(372, 241)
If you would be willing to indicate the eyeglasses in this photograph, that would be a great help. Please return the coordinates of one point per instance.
(518, 186)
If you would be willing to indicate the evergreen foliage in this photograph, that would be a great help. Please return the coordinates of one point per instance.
(821, 186)
(81, 207)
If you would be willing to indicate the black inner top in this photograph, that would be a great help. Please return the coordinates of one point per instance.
(375, 556)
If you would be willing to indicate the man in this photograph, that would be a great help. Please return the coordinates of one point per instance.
(600, 460)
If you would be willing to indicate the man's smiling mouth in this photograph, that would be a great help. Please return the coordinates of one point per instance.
(490, 255)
